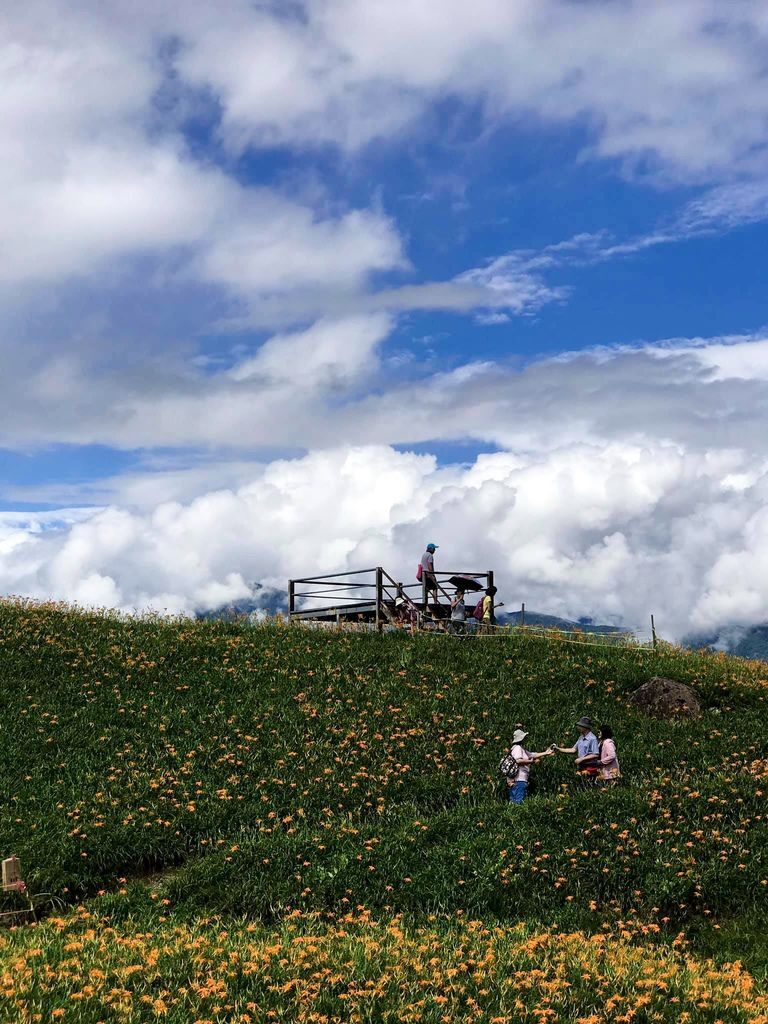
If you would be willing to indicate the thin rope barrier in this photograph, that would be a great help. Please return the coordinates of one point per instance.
(632, 642)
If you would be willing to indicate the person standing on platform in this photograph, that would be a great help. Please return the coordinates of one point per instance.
(427, 575)
(458, 613)
(487, 610)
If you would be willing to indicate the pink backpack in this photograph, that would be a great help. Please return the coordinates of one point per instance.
(478, 612)
(419, 572)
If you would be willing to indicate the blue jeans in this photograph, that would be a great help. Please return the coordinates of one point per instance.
(517, 792)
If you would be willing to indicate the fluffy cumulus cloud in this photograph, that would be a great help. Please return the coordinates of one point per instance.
(628, 481)
(617, 531)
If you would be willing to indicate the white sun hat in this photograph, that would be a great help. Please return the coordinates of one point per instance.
(518, 736)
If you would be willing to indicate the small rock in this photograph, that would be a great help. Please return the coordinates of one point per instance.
(666, 698)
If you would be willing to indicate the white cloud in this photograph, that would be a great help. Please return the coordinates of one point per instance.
(715, 211)
(328, 354)
(735, 358)
(330, 382)
(92, 171)
(95, 170)
(728, 206)
(510, 285)
(616, 531)
(631, 481)
(272, 245)
(734, 588)
(139, 198)
(93, 166)
(513, 282)
(681, 85)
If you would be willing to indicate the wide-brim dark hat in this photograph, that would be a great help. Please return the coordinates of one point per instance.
(584, 723)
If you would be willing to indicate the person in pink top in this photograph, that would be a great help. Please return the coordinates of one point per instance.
(516, 764)
(609, 762)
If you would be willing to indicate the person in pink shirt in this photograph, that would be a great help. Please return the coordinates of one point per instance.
(609, 762)
(516, 764)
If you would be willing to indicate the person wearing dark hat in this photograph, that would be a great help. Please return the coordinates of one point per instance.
(586, 749)
(516, 765)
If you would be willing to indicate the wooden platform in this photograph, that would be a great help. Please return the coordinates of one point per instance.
(367, 612)
(372, 595)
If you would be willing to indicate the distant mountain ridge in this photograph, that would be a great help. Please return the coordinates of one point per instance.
(741, 641)
(543, 621)
(263, 603)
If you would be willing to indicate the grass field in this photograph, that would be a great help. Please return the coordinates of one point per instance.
(259, 823)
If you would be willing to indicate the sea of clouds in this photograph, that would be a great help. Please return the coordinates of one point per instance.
(572, 523)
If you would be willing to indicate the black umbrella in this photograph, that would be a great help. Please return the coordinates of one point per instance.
(465, 583)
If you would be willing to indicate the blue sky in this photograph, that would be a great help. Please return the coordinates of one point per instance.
(505, 264)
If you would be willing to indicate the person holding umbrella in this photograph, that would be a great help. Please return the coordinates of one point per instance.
(458, 613)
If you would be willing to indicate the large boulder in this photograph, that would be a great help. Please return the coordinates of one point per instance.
(666, 698)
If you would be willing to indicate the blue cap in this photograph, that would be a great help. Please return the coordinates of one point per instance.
(432, 547)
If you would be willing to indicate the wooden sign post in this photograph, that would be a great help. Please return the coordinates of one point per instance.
(13, 882)
(12, 874)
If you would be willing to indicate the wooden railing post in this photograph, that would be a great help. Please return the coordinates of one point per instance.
(379, 595)
(291, 598)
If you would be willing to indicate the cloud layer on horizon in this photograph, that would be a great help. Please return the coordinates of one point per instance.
(618, 532)
(608, 499)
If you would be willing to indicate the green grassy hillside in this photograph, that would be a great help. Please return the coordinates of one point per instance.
(186, 779)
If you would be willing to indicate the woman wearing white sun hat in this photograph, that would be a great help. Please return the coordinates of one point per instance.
(516, 766)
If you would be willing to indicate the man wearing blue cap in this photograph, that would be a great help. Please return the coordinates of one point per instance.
(428, 572)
